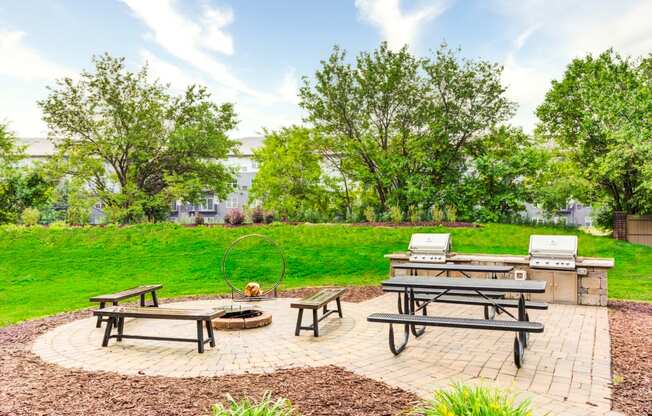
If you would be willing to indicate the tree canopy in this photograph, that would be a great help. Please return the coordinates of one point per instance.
(139, 146)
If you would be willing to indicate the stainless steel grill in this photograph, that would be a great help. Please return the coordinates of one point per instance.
(553, 251)
(429, 248)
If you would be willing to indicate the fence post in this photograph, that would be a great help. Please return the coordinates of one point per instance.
(620, 225)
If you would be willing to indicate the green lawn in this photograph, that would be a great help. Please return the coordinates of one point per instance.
(45, 271)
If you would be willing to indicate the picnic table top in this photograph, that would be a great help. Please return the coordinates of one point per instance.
(124, 294)
(455, 267)
(160, 313)
(458, 283)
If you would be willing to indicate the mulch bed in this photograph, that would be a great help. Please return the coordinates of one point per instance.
(631, 356)
(29, 386)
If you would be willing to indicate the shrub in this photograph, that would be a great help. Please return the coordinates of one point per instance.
(451, 213)
(396, 215)
(414, 214)
(266, 407)
(257, 215)
(57, 225)
(234, 217)
(30, 216)
(463, 400)
(370, 214)
(436, 213)
(199, 219)
(269, 217)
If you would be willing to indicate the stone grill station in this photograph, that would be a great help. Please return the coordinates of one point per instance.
(571, 279)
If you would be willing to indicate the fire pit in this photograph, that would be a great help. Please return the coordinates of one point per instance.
(242, 316)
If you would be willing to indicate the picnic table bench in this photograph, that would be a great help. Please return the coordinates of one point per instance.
(314, 302)
(116, 317)
(114, 298)
(408, 317)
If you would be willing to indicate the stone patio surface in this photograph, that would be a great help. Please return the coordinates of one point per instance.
(567, 369)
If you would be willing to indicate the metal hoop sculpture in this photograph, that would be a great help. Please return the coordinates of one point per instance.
(278, 281)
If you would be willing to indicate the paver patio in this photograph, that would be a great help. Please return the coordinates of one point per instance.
(566, 369)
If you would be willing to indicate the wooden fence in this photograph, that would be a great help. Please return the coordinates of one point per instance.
(638, 229)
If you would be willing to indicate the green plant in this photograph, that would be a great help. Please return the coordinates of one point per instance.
(395, 214)
(30, 216)
(246, 407)
(462, 400)
(269, 217)
(57, 225)
(234, 217)
(414, 214)
(436, 213)
(370, 214)
(199, 219)
(451, 213)
(257, 215)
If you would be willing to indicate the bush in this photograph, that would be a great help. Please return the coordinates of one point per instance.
(451, 213)
(396, 215)
(199, 219)
(235, 216)
(269, 217)
(463, 400)
(57, 225)
(257, 215)
(370, 214)
(414, 214)
(436, 213)
(266, 407)
(30, 216)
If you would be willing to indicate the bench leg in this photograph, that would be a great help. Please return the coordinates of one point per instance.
(200, 337)
(315, 323)
(142, 300)
(121, 327)
(392, 345)
(154, 299)
(99, 318)
(211, 333)
(299, 319)
(339, 307)
(107, 331)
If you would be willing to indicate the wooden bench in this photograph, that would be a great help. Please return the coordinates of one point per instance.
(114, 298)
(315, 302)
(116, 318)
(522, 327)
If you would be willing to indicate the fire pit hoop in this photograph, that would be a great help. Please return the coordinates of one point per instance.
(236, 293)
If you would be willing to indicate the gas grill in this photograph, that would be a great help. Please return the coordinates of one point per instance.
(429, 248)
(553, 252)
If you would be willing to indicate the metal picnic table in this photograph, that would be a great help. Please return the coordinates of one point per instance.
(410, 285)
(414, 267)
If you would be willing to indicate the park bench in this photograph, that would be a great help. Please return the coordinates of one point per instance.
(116, 317)
(114, 298)
(315, 302)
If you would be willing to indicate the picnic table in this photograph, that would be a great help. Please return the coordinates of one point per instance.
(412, 288)
(446, 268)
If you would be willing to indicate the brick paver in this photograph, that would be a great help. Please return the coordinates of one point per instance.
(566, 369)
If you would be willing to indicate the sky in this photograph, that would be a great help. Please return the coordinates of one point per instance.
(254, 53)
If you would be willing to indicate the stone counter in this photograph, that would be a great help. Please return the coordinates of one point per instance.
(586, 285)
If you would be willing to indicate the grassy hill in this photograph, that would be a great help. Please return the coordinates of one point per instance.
(44, 271)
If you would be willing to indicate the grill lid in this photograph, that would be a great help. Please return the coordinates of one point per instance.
(553, 246)
(429, 247)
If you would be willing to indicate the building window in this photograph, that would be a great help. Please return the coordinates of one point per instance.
(232, 202)
(254, 164)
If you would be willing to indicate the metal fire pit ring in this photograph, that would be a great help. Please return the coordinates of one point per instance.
(280, 277)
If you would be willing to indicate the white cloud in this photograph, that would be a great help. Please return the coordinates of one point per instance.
(23, 62)
(213, 35)
(398, 28)
(289, 89)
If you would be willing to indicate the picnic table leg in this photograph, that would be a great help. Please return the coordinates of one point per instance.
(142, 300)
(99, 318)
(211, 333)
(315, 323)
(339, 307)
(107, 331)
(154, 298)
(121, 327)
(299, 319)
(523, 316)
(200, 336)
(416, 332)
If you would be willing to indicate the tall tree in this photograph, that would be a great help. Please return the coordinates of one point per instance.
(138, 145)
(599, 115)
(402, 124)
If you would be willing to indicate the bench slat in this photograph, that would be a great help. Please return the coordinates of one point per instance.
(318, 299)
(466, 323)
(124, 294)
(489, 294)
(479, 300)
(160, 313)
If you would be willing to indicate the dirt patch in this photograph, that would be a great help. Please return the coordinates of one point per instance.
(29, 386)
(631, 356)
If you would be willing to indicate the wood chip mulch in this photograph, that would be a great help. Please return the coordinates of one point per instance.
(29, 386)
(631, 356)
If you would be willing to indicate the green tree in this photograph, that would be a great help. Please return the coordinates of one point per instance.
(290, 179)
(403, 125)
(21, 186)
(599, 117)
(137, 145)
